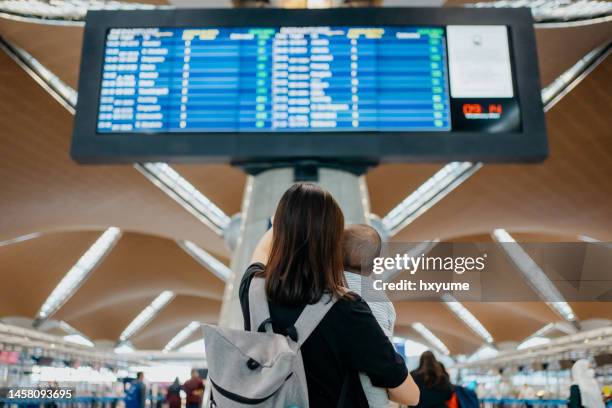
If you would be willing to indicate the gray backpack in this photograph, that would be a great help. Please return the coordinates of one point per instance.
(260, 368)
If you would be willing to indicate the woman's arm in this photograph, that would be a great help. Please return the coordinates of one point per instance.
(365, 348)
(407, 393)
(262, 250)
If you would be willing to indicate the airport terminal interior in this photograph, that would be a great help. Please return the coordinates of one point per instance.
(110, 269)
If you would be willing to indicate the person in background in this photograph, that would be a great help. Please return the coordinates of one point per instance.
(136, 395)
(361, 244)
(159, 398)
(462, 397)
(528, 394)
(142, 390)
(53, 386)
(585, 391)
(433, 382)
(173, 394)
(194, 388)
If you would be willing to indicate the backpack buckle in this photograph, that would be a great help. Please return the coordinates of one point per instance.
(252, 364)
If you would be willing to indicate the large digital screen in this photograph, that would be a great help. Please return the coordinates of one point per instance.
(271, 79)
(352, 84)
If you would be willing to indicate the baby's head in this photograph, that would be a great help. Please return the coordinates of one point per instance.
(360, 245)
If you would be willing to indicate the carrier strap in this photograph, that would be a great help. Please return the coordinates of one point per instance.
(308, 320)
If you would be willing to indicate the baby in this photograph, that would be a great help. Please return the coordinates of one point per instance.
(361, 244)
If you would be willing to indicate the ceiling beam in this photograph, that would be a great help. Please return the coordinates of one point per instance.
(536, 277)
(78, 274)
(147, 314)
(468, 318)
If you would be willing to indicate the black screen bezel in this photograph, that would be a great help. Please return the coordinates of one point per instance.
(528, 144)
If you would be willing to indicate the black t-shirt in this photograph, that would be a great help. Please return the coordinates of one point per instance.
(347, 341)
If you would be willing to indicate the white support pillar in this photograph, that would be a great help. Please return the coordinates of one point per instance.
(261, 196)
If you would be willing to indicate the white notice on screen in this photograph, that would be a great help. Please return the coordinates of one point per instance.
(479, 62)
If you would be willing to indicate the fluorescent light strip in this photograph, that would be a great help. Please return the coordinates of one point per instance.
(21, 238)
(543, 330)
(533, 342)
(70, 333)
(78, 273)
(543, 11)
(569, 79)
(124, 348)
(66, 11)
(537, 338)
(565, 327)
(589, 240)
(79, 339)
(146, 315)
(534, 274)
(182, 335)
(55, 87)
(467, 317)
(50, 325)
(428, 194)
(184, 193)
(205, 259)
(430, 337)
(483, 353)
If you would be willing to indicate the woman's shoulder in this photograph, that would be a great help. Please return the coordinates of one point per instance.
(351, 304)
(251, 271)
(248, 276)
(254, 268)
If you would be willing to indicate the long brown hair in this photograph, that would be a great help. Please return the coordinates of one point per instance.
(431, 371)
(306, 256)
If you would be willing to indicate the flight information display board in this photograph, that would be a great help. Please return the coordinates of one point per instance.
(270, 79)
(334, 86)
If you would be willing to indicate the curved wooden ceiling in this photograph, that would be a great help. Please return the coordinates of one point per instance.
(138, 269)
(30, 270)
(142, 266)
(174, 317)
(441, 321)
(44, 191)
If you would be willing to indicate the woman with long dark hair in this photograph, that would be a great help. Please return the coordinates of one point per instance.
(433, 382)
(301, 260)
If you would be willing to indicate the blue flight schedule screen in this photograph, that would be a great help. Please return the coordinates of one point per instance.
(283, 79)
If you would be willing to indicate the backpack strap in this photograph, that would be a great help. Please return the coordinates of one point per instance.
(308, 320)
(311, 316)
(258, 306)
